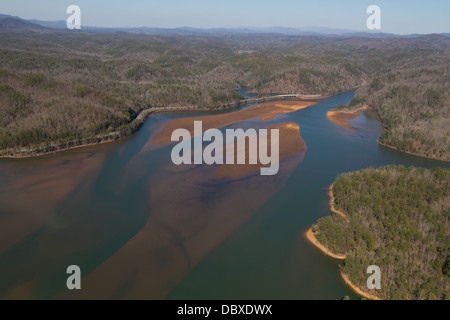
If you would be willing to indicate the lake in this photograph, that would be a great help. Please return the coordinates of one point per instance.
(140, 227)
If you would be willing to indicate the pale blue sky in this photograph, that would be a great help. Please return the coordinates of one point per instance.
(398, 16)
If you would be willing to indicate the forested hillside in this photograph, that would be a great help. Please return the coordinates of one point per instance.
(62, 87)
(398, 219)
(412, 98)
(414, 107)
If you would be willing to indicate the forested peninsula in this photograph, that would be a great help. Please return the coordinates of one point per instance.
(397, 219)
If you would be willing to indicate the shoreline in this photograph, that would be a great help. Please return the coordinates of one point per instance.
(309, 234)
(331, 204)
(356, 289)
(338, 117)
(312, 238)
(409, 152)
(114, 136)
(140, 119)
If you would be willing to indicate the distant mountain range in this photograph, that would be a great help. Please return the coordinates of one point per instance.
(12, 23)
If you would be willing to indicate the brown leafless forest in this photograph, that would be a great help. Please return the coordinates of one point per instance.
(59, 88)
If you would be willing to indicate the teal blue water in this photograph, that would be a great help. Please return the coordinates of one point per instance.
(268, 257)
(96, 223)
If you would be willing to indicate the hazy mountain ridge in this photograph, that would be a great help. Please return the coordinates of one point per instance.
(38, 25)
(15, 24)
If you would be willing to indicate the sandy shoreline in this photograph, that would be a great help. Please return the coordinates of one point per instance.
(332, 207)
(342, 117)
(312, 238)
(357, 289)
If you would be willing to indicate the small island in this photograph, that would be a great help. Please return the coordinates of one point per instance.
(396, 218)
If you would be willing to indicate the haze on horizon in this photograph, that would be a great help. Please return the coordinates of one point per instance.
(400, 17)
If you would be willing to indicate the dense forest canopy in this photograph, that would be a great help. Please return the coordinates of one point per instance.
(65, 86)
(398, 219)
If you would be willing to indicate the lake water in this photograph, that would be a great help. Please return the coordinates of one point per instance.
(140, 227)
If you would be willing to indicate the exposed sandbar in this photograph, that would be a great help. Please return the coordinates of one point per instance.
(266, 111)
(290, 145)
(342, 117)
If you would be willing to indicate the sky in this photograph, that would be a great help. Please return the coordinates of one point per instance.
(397, 16)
